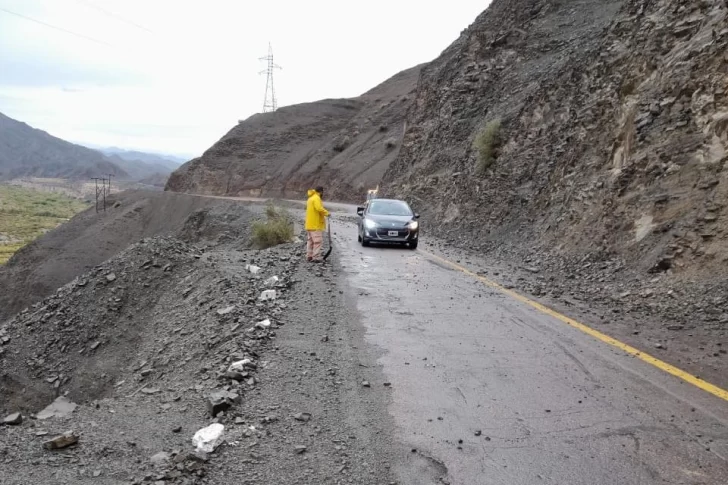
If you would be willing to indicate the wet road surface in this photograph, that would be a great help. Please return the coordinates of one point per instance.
(488, 390)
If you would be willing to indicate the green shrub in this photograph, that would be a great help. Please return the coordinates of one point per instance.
(276, 229)
(487, 144)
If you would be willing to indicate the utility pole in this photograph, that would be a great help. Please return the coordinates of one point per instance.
(101, 191)
(269, 103)
(110, 175)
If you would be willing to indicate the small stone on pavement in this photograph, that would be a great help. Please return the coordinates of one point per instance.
(61, 441)
(13, 419)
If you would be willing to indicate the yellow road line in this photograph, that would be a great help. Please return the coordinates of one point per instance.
(670, 369)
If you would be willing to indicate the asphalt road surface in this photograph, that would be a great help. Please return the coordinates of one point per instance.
(487, 389)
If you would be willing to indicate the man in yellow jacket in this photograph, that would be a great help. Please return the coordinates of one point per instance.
(315, 224)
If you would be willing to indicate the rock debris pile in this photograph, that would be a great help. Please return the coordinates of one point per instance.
(155, 342)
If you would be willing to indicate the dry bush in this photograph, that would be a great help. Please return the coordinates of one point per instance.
(276, 229)
(487, 144)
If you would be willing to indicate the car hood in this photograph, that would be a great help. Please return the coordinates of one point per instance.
(392, 221)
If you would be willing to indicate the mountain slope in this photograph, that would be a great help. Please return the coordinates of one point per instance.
(344, 144)
(614, 133)
(29, 152)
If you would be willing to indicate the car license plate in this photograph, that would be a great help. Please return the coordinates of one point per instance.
(393, 233)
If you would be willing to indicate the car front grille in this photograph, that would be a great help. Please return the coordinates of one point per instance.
(383, 232)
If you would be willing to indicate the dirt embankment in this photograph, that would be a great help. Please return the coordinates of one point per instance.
(346, 145)
(91, 238)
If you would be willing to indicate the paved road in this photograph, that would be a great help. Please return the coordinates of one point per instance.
(489, 390)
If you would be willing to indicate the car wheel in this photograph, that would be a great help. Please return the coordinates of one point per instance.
(413, 245)
(365, 242)
(358, 237)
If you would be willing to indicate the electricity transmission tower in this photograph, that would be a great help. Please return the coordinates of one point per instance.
(269, 103)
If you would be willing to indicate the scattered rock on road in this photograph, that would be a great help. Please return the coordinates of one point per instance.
(268, 295)
(226, 310)
(207, 439)
(221, 400)
(60, 408)
(61, 441)
(13, 419)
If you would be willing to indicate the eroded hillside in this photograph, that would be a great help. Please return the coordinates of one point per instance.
(614, 127)
(345, 144)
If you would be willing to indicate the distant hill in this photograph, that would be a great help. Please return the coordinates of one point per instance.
(170, 161)
(142, 171)
(147, 168)
(28, 152)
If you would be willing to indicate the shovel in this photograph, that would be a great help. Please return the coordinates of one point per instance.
(328, 228)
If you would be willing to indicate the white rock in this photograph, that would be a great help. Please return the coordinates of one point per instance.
(209, 438)
(264, 324)
(272, 281)
(268, 295)
(225, 311)
(253, 268)
(60, 408)
(240, 365)
(160, 458)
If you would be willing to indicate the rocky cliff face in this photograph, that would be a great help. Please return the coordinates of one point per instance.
(345, 144)
(614, 128)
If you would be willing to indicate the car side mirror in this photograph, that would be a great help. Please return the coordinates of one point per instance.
(360, 211)
(417, 216)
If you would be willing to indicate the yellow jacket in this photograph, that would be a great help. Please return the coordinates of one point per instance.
(315, 212)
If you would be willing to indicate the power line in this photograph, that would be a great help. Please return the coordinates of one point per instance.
(82, 36)
(118, 17)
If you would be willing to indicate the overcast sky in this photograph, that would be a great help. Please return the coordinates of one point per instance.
(173, 76)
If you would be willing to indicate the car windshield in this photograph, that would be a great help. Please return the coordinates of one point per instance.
(389, 208)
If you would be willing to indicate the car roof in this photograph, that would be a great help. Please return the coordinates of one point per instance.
(390, 200)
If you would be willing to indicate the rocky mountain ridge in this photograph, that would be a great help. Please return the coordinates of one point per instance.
(614, 132)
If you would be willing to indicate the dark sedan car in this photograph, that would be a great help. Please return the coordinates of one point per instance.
(388, 221)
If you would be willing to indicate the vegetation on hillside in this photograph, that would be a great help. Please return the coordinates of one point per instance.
(487, 143)
(26, 214)
(276, 229)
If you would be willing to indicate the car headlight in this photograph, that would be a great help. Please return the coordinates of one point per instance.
(414, 225)
(369, 224)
